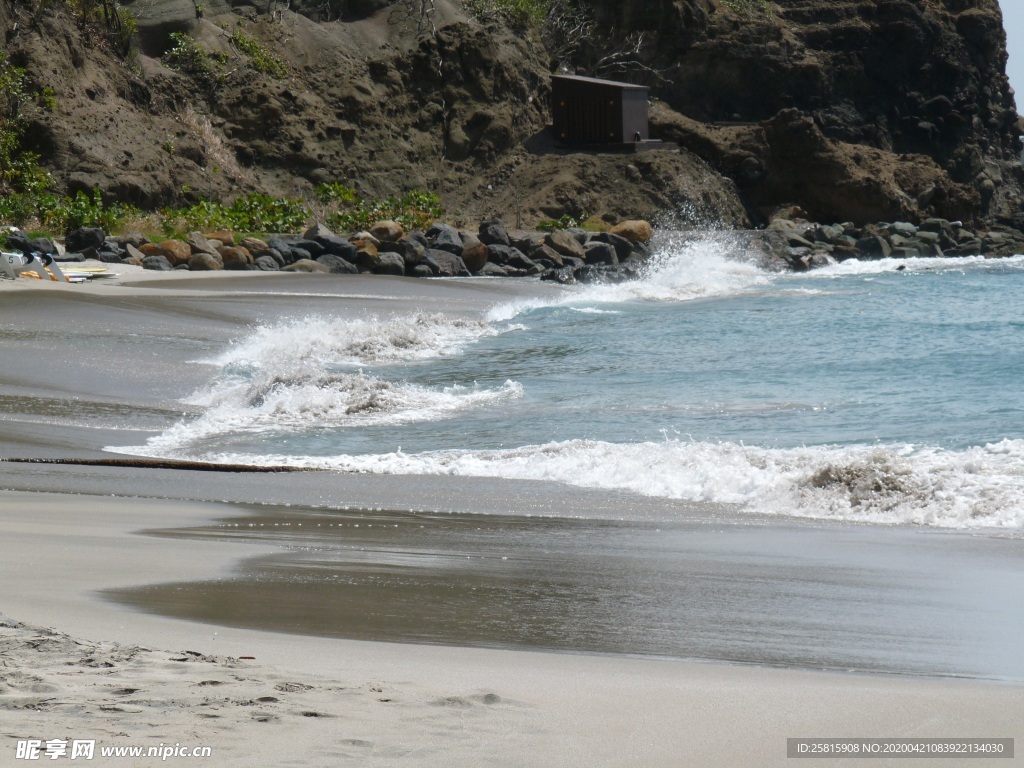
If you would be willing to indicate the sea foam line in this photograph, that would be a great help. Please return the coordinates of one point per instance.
(911, 265)
(278, 405)
(977, 488)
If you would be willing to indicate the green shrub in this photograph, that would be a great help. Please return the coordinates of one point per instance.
(260, 58)
(47, 99)
(84, 211)
(21, 177)
(347, 212)
(187, 57)
(565, 222)
(337, 193)
(254, 212)
(62, 214)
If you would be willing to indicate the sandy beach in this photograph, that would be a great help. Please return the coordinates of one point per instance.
(88, 366)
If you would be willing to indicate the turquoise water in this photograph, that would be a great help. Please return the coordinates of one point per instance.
(886, 392)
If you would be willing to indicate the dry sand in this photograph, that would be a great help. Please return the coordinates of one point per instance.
(315, 702)
(132, 679)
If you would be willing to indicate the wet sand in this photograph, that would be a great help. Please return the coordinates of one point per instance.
(113, 361)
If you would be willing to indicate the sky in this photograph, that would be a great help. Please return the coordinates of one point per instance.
(1013, 20)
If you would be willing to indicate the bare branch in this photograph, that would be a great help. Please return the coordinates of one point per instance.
(414, 14)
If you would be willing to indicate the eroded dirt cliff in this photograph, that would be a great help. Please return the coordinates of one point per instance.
(852, 109)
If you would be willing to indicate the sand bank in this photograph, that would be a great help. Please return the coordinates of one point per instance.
(308, 701)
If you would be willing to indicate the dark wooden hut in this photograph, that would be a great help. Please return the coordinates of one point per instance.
(590, 111)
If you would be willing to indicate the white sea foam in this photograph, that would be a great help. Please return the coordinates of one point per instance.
(301, 376)
(684, 266)
(299, 403)
(911, 265)
(363, 341)
(978, 488)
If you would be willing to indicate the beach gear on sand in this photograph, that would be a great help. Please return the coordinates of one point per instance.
(42, 267)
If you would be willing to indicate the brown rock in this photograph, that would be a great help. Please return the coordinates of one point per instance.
(254, 245)
(387, 230)
(636, 231)
(367, 258)
(226, 236)
(565, 244)
(235, 257)
(365, 247)
(205, 262)
(152, 249)
(474, 253)
(176, 252)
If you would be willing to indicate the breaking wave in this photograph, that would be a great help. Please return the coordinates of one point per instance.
(977, 488)
(684, 266)
(305, 376)
(362, 341)
(279, 404)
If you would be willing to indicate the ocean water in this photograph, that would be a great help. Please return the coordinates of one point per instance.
(883, 392)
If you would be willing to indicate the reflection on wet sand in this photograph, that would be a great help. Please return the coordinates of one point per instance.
(837, 597)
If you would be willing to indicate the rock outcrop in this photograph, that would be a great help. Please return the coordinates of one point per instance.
(859, 110)
(869, 84)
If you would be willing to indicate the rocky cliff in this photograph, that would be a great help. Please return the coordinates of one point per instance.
(851, 109)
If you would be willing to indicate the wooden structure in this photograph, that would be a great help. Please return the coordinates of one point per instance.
(586, 110)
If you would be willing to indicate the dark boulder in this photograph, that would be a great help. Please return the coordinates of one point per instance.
(18, 241)
(84, 237)
(443, 237)
(492, 270)
(266, 264)
(546, 257)
(45, 245)
(623, 247)
(600, 253)
(413, 252)
(276, 255)
(338, 246)
(312, 247)
(158, 263)
(421, 270)
(284, 250)
(493, 232)
(389, 263)
(337, 265)
(874, 246)
(507, 256)
(449, 264)
(111, 257)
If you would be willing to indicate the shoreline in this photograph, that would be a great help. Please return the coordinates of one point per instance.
(69, 532)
